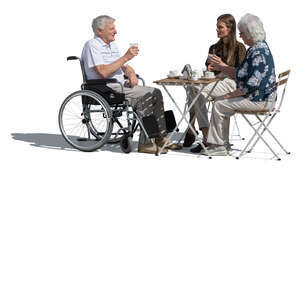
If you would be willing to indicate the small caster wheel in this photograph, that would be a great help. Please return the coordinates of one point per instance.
(125, 143)
(209, 157)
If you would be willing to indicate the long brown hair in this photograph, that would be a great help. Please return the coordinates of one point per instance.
(229, 48)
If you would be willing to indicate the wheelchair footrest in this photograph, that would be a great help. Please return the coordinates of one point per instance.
(151, 126)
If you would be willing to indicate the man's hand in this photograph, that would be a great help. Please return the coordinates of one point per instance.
(131, 53)
(133, 80)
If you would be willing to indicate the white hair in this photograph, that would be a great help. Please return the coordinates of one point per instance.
(253, 28)
(100, 22)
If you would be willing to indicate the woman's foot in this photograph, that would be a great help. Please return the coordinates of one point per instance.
(189, 139)
(198, 148)
(215, 150)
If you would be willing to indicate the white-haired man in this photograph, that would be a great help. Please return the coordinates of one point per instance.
(102, 59)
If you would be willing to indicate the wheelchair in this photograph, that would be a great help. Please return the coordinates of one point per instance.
(96, 115)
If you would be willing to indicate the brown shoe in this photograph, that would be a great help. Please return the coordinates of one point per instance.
(171, 146)
(151, 149)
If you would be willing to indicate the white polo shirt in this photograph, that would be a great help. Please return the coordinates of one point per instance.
(96, 52)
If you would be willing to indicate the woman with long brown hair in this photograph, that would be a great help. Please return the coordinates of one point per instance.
(229, 51)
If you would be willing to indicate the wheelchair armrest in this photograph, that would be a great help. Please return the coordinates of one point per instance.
(103, 81)
(137, 75)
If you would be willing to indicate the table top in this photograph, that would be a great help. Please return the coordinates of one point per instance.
(181, 81)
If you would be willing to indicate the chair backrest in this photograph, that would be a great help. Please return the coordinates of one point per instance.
(282, 82)
(81, 66)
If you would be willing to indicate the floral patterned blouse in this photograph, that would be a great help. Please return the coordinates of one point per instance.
(256, 74)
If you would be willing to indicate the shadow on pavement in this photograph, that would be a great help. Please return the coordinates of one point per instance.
(56, 141)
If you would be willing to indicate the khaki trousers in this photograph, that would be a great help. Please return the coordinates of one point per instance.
(146, 101)
(218, 133)
(223, 87)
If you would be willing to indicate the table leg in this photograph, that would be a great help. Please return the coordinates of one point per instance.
(187, 108)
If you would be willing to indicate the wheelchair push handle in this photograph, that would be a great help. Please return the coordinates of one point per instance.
(72, 58)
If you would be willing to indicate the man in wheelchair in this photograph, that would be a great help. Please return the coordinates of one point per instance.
(102, 59)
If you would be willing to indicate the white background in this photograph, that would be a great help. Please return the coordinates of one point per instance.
(106, 225)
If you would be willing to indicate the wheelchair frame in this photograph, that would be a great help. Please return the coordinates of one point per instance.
(96, 103)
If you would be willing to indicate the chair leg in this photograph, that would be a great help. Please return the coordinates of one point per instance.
(259, 137)
(236, 127)
(269, 131)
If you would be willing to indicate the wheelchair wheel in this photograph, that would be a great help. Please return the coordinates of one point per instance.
(119, 123)
(126, 143)
(85, 123)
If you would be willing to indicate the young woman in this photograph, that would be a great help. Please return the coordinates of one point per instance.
(229, 51)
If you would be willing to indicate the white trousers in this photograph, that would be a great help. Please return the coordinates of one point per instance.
(223, 87)
(218, 133)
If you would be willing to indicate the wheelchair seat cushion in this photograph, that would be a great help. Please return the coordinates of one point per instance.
(111, 96)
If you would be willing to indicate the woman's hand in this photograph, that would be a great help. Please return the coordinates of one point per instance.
(214, 59)
(227, 96)
(216, 63)
(234, 94)
(209, 68)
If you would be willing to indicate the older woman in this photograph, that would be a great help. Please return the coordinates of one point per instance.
(256, 84)
(229, 50)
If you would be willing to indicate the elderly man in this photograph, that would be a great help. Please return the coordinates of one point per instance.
(102, 59)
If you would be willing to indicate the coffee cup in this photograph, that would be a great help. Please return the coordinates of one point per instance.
(195, 75)
(173, 73)
(209, 74)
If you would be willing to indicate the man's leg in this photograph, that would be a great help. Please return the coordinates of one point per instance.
(146, 101)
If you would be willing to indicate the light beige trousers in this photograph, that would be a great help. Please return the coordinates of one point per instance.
(222, 87)
(218, 133)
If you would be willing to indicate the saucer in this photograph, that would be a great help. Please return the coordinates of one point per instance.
(172, 76)
(204, 77)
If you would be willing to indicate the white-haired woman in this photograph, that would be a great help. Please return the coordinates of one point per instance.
(256, 84)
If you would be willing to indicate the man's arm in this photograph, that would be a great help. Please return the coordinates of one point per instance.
(106, 70)
(130, 73)
(128, 70)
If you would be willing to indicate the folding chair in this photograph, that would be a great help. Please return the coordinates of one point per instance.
(265, 117)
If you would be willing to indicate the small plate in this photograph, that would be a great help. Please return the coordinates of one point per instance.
(203, 77)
